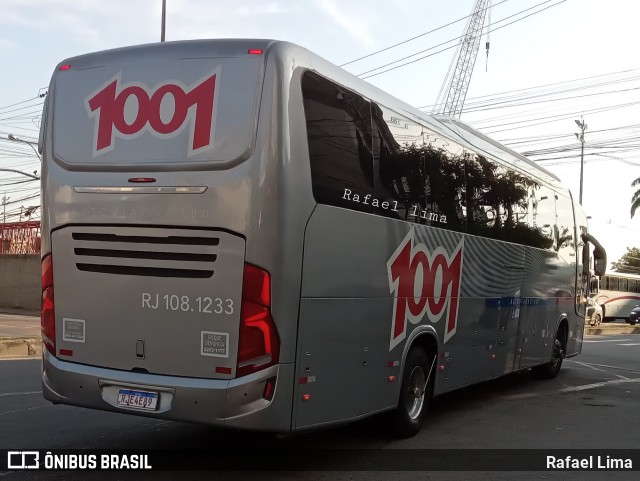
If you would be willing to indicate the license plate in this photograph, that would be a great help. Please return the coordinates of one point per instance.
(138, 399)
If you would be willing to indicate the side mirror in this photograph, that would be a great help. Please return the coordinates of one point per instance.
(599, 265)
(599, 255)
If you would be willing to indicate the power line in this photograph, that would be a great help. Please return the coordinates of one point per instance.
(555, 118)
(19, 103)
(364, 76)
(527, 89)
(416, 37)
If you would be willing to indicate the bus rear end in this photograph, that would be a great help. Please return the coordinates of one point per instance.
(151, 305)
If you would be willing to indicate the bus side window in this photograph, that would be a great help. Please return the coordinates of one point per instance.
(544, 217)
(565, 240)
(502, 204)
(419, 170)
(613, 283)
(339, 139)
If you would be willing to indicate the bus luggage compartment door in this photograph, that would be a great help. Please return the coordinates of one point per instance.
(162, 301)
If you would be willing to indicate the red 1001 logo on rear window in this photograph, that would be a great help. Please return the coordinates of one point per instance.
(423, 283)
(128, 110)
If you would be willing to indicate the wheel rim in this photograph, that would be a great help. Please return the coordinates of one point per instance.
(598, 319)
(415, 392)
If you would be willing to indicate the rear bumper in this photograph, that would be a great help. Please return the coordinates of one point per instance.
(236, 403)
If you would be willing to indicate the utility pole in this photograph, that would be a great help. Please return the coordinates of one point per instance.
(4, 208)
(164, 19)
(580, 137)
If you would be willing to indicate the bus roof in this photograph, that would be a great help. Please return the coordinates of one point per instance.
(301, 57)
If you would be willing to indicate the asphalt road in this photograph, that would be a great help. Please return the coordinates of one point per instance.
(592, 404)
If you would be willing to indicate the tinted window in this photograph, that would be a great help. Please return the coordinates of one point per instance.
(339, 137)
(565, 240)
(422, 173)
(501, 204)
(543, 216)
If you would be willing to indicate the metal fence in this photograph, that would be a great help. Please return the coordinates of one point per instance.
(20, 238)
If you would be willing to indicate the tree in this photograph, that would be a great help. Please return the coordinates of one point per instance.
(635, 200)
(629, 262)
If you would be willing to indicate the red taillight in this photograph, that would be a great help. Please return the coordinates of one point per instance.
(255, 51)
(65, 67)
(48, 320)
(141, 180)
(259, 344)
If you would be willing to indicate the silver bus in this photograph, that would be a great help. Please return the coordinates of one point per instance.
(240, 233)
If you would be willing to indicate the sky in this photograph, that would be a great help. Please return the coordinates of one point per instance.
(557, 62)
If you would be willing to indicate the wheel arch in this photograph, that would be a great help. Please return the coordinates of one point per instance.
(563, 329)
(425, 338)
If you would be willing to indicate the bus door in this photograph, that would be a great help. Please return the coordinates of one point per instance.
(509, 314)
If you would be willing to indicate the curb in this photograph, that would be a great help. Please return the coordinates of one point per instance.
(611, 330)
(20, 347)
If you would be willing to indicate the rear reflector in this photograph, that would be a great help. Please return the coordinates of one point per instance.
(258, 344)
(66, 352)
(223, 370)
(48, 320)
(269, 389)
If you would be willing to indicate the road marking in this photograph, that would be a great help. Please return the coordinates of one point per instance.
(618, 368)
(26, 409)
(596, 385)
(584, 387)
(630, 344)
(589, 366)
(20, 393)
(608, 340)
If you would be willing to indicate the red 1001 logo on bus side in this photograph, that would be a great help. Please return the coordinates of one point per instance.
(126, 110)
(423, 282)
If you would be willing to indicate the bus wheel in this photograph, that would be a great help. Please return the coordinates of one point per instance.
(415, 393)
(552, 368)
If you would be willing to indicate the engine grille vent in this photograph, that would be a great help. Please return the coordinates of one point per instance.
(152, 253)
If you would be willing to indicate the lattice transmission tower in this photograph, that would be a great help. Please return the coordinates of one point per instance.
(454, 88)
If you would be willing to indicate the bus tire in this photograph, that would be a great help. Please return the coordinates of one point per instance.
(597, 320)
(415, 393)
(552, 368)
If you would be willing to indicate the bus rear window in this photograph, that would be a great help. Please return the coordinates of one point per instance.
(157, 111)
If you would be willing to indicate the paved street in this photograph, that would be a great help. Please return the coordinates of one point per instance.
(593, 403)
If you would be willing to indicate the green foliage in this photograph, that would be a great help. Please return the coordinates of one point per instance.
(635, 200)
(629, 262)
